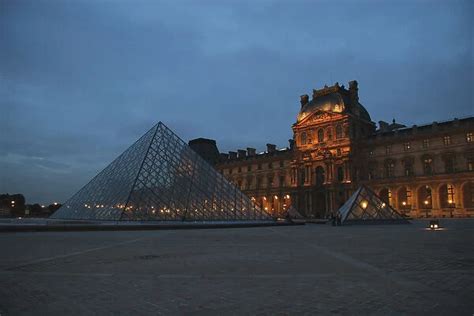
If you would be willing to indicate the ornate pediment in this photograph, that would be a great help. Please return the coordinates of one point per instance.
(319, 117)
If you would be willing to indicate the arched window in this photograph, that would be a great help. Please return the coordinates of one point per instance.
(425, 199)
(339, 131)
(303, 138)
(386, 195)
(404, 198)
(320, 135)
(320, 176)
(446, 196)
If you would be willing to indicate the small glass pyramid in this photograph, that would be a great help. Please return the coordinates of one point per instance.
(160, 178)
(365, 206)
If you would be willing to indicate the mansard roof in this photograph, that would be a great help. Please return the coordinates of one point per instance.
(333, 99)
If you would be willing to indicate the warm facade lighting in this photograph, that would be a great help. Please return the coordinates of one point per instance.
(404, 203)
(276, 197)
(426, 202)
(364, 204)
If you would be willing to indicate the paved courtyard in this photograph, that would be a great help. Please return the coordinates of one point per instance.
(401, 269)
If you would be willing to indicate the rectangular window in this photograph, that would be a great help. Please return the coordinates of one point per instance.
(406, 146)
(282, 181)
(447, 140)
(388, 149)
(426, 143)
(469, 137)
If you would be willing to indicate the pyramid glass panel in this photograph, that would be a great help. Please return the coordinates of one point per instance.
(160, 178)
(365, 206)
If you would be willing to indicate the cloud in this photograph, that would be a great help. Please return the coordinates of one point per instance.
(82, 80)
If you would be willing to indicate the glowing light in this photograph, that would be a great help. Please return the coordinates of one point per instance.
(426, 202)
(266, 208)
(404, 203)
(276, 197)
(364, 204)
(264, 198)
(383, 204)
(13, 202)
(450, 201)
(287, 196)
(55, 203)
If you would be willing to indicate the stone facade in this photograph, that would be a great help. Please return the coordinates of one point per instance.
(422, 171)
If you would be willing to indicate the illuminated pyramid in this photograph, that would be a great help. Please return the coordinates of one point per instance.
(364, 206)
(160, 178)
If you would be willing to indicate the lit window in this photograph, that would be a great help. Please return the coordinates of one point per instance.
(469, 137)
(470, 163)
(447, 140)
(428, 165)
(407, 146)
(426, 143)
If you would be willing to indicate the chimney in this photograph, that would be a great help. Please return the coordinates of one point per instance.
(223, 157)
(354, 91)
(291, 142)
(383, 126)
(241, 153)
(232, 155)
(251, 151)
(271, 148)
(304, 99)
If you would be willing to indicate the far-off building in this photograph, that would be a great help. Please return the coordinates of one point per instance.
(422, 171)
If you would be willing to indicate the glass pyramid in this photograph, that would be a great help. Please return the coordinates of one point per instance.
(160, 178)
(365, 206)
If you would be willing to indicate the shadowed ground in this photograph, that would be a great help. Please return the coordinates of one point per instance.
(384, 269)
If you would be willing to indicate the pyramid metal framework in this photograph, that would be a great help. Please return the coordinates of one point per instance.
(364, 206)
(160, 178)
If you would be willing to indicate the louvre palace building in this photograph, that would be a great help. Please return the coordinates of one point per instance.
(422, 171)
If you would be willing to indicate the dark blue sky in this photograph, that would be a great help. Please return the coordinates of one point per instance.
(81, 80)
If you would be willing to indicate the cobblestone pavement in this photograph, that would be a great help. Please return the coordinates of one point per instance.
(311, 269)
